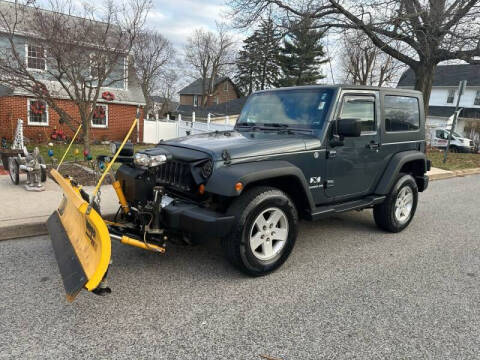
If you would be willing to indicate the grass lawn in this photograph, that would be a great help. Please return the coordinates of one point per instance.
(455, 161)
(59, 149)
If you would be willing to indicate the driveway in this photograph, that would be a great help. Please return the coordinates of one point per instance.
(349, 290)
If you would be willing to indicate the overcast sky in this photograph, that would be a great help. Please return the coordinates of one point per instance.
(178, 18)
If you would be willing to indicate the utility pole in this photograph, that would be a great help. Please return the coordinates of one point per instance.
(461, 89)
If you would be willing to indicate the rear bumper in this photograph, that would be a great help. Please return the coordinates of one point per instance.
(422, 182)
(193, 219)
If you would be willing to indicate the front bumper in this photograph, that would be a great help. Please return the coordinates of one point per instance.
(196, 220)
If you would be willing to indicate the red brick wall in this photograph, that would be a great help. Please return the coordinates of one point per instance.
(223, 96)
(120, 118)
(219, 91)
(186, 99)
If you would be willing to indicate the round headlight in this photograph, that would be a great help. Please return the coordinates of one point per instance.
(141, 159)
(207, 169)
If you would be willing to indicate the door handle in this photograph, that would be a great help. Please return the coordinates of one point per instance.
(372, 145)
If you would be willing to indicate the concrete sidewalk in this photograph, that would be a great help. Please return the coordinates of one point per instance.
(25, 213)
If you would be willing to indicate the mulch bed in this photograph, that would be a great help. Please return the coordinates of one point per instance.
(3, 171)
(82, 174)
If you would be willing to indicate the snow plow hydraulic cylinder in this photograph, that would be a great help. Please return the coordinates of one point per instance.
(121, 196)
(133, 242)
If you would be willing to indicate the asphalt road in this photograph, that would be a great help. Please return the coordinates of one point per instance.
(349, 290)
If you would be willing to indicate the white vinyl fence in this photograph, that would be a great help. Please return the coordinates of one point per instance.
(165, 129)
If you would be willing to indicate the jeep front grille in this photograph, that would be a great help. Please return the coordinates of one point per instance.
(176, 174)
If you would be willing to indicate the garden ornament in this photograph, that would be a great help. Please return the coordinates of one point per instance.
(31, 164)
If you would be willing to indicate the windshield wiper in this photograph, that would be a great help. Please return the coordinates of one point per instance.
(286, 127)
(246, 125)
(289, 129)
(275, 125)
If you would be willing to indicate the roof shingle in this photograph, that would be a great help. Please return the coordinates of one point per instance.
(195, 88)
(447, 75)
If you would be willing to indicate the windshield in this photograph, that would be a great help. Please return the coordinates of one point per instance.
(302, 108)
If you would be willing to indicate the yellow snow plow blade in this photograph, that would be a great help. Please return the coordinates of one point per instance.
(81, 241)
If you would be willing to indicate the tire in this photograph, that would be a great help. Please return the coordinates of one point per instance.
(43, 172)
(256, 206)
(395, 216)
(14, 170)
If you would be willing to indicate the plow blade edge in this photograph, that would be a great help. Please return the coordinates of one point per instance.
(81, 241)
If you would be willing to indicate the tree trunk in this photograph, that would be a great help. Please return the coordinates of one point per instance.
(424, 81)
(86, 136)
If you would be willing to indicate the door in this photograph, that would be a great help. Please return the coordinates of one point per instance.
(354, 167)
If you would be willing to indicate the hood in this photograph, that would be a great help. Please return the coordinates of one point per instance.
(245, 144)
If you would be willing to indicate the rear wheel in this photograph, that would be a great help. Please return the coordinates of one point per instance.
(264, 232)
(14, 170)
(398, 209)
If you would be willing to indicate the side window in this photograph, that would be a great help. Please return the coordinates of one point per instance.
(401, 113)
(360, 107)
(440, 134)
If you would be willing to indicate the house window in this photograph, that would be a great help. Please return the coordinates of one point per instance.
(36, 57)
(225, 86)
(216, 100)
(195, 100)
(100, 116)
(477, 98)
(451, 96)
(37, 112)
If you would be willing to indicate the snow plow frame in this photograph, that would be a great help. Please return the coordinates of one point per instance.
(80, 236)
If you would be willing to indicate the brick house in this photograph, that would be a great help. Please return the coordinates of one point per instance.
(112, 118)
(224, 90)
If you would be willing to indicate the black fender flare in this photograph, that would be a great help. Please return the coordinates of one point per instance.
(393, 169)
(223, 179)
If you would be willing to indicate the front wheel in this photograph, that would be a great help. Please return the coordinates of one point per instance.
(398, 209)
(264, 232)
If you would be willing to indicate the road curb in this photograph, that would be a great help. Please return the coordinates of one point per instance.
(35, 228)
(455, 173)
(23, 230)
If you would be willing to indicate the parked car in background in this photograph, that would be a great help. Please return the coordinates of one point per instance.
(439, 138)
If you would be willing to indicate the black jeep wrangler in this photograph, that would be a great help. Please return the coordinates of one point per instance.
(303, 152)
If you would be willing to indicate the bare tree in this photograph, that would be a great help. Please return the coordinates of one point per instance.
(153, 53)
(79, 50)
(433, 31)
(209, 54)
(168, 87)
(363, 63)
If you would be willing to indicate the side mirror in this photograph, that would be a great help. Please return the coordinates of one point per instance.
(349, 127)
